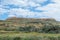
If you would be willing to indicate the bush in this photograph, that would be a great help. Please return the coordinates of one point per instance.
(17, 38)
(27, 29)
(51, 29)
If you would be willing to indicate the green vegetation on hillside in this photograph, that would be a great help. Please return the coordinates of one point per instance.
(48, 25)
(29, 29)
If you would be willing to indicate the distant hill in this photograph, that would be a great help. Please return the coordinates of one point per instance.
(29, 19)
(14, 23)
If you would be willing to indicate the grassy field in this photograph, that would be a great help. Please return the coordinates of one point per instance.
(28, 36)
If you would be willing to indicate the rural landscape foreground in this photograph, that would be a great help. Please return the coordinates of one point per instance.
(29, 29)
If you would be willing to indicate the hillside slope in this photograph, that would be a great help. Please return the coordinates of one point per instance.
(30, 24)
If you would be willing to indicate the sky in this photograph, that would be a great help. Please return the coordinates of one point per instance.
(30, 9)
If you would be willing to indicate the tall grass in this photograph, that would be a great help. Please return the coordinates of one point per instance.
(30, 38)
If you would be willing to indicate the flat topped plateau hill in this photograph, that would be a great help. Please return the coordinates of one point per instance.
(45, 25)
(14, 21)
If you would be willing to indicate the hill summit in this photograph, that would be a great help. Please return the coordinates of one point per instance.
(30, 19)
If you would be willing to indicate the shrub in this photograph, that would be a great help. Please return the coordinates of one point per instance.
(17, 38)
(51, 29)
(27, 29)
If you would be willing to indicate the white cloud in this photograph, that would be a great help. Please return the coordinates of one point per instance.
(11, 16)
(15, 2)
(40, 1)
(23, 2)
(33, 4)
(50, 10)
(20, 11)
(25, 13)
(2, 11)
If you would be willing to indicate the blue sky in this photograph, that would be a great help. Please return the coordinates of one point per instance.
(30, 9)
